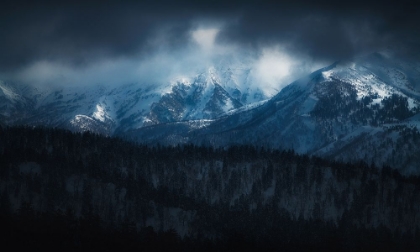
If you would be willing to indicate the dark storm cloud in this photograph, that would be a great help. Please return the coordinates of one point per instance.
(79, 33)
(329, 31)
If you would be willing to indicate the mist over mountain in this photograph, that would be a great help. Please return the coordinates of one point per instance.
(106, 109)
(363, 109)
(210, 125)
(73, 43)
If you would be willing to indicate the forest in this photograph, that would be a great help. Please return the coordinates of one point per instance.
(82, 191)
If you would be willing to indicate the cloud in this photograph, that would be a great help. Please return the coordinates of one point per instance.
(75, 42)
(156, 67)
(272, 68)
(205, 37)
(327, 31)
(81, 34)
(52, 74)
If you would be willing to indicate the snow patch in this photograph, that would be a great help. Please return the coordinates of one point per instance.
(8, 92)
(327, 74)
(99, 113)
(103, 110)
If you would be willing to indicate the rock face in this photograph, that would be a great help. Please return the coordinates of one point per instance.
(204, 98)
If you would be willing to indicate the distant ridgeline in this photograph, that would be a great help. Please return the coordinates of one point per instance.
(341, 112)
(81, 191)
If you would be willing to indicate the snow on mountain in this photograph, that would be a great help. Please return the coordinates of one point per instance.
(114, 110)
(13, 106)
(348, 111)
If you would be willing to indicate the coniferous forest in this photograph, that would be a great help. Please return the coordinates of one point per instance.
(81, 191)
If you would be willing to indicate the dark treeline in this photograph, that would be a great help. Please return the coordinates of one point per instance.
(81, 191)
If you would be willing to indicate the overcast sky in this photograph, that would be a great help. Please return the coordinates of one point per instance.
(104, 42)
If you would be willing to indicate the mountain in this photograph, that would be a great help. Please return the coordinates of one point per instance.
(214, 170)
(114, 110)
(366, 109)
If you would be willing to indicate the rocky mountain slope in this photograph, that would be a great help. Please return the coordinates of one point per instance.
(363, 109)
(366, 109)
(111, 110)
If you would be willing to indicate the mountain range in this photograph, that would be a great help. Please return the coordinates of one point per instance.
(112, 110)
(215, 164)
(365, 109)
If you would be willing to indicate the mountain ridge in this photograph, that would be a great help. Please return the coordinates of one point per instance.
(323, 113)
(348, 111)
(111, 110)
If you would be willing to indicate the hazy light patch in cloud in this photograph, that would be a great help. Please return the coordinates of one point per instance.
(50, 74)
(45, 74)
(273, 69)
(205, 37)
(273, 64)
(164, 66)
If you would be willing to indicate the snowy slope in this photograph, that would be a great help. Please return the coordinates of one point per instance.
(343, 111)
(113, 110)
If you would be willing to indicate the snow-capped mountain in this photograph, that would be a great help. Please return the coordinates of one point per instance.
(206, 96)
(114, 110)
(366, 109)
